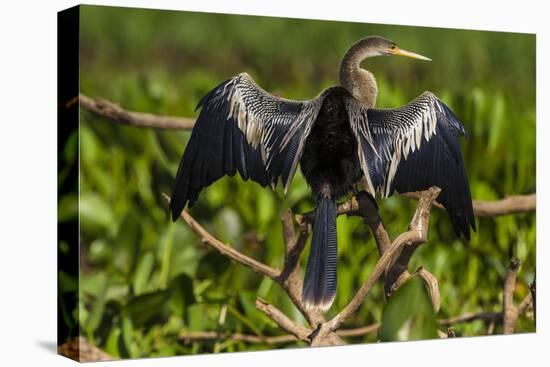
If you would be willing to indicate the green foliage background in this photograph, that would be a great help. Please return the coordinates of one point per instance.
(144, 280)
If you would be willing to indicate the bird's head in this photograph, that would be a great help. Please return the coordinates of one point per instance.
(360, 82)
(380, 46)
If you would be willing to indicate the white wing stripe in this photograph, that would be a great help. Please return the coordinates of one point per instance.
(422, 122)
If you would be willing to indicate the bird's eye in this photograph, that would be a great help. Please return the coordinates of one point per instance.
(393, 47)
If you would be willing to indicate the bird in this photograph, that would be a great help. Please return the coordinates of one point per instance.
(338, 139)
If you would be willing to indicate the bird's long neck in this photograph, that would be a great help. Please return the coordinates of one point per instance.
(359, 82)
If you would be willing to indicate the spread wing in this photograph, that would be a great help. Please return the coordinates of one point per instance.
(412, 148)
(242, 128)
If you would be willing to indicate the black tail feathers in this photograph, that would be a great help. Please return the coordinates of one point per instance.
(320, 280)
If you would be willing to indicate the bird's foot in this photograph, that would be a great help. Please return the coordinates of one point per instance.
(314, 333)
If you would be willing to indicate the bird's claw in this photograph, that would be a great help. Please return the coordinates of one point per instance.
(314, 333)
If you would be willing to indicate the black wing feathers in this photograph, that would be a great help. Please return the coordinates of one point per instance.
(241, 128)
(416, 148)
(437, 164)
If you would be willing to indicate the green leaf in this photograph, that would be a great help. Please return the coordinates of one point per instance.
(143, 274)
(166, 246)
(497, 122)
(128, 338)
(112, 344)
(409, 314)
(99, 287)
(96, 215)
(146, 306)
(199, 318)
(182, 295)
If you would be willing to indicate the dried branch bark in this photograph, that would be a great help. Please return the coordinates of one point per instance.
(104, 108)
(472, 316)
(282, 320)
(432, 284)
(508, 309)
(508, 205)
(80, 350)
(191, 336)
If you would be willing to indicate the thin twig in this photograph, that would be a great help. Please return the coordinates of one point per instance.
(489, 317)
(472, 316)
(282, 320)
(226, 250)
(524, 305)
(432, 284)
(191, 336)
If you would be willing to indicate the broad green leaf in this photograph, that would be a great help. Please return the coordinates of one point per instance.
(409, 314)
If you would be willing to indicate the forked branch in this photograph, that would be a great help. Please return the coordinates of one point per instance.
(417, 234)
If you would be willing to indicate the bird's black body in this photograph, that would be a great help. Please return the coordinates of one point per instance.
(329, 162)
(338, 139)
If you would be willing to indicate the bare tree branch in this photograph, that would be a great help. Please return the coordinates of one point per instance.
(525, 303)
(360, 331)
(432, 284)
(191, 336)
(508, 205)
(472, 316)
(104, 108)
(508, 309)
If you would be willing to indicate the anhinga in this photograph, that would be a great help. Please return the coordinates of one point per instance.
(338, 138)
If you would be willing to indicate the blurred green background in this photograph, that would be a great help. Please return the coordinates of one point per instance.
(145, 280)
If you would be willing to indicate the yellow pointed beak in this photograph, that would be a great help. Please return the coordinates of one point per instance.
(400, 52)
